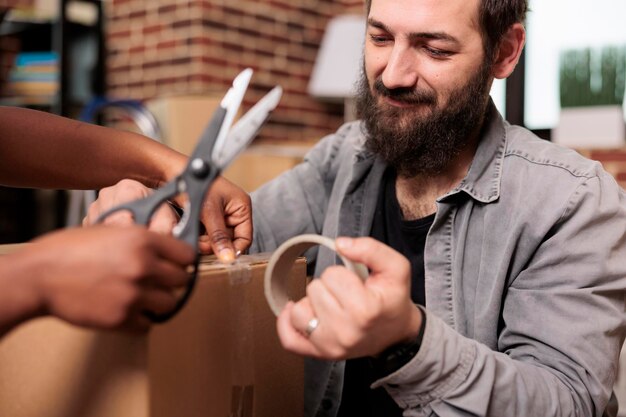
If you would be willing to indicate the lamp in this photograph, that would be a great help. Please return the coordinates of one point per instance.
(338, 63)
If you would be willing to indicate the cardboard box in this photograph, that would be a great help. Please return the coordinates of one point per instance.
(219, 357)
(261, 163)
(182, 119)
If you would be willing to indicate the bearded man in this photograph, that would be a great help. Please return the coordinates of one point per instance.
(512, 243)
(497, 260)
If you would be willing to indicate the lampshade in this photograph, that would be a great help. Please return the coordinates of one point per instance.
(338, 64)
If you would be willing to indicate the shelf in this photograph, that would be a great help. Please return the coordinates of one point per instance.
(68, 32)
(35, 101)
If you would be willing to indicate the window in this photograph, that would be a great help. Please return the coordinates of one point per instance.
(557, 25)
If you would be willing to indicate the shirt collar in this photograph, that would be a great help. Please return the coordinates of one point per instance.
(483, 179)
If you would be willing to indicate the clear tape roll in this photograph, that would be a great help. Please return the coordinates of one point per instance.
(280, 263)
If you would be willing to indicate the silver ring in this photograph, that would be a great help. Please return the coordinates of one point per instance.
(311, 326)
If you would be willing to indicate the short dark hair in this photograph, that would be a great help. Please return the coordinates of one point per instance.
(495, 17)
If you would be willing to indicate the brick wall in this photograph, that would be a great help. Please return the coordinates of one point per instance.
(353, 6)
(613, 160)
(197, 46)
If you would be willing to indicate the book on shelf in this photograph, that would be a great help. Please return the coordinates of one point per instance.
(34, 75)
(34, 59)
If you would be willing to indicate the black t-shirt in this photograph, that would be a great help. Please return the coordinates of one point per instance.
(408, 238)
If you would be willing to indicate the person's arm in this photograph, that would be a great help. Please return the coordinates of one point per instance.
(102, 277)
(38, 149)
(41, 150)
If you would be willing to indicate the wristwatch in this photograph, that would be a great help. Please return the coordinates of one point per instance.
(396, 356)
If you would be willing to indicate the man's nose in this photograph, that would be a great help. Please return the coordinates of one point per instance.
(401, 69)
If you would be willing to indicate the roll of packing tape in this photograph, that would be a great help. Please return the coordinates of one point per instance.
(281, 261)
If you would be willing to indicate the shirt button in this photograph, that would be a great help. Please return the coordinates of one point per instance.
(327, 404)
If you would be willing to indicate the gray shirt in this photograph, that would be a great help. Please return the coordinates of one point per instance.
(525, 269)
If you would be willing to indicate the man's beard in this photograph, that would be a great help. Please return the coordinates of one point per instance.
(418, 144)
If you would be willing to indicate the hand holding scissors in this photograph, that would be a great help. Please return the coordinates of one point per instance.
(217, 147)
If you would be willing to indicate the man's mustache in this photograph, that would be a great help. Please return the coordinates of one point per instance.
(405, 94)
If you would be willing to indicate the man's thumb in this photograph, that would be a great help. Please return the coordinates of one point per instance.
(378, 257)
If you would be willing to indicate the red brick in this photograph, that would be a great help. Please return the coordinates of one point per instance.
(152, 29)
(167, 8)
(122, 34)
(615, 155)
(137, 14)
(167, 44)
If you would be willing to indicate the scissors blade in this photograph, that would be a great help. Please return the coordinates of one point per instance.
(231, 102)
(246, 128)
(215, 133)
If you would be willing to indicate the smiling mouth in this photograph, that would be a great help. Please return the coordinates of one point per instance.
(404, 104)
(398, 103)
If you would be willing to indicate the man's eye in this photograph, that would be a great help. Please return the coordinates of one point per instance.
(437, 53)
(379, 39)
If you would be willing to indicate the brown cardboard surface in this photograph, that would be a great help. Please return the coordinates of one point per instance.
(182, 118)
(232, 335)
(261, 163)
(50, 369)
(220, 356)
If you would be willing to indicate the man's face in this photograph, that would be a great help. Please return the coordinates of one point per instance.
(426, 81)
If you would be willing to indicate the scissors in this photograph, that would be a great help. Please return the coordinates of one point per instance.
(217, 147)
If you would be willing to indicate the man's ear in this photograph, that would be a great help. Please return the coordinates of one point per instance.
(509, 51)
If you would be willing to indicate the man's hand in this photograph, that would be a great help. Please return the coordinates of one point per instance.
(124, 191)
(101, 276)
(226, 215)
(356, 318)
